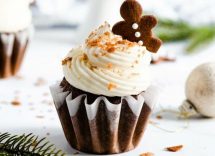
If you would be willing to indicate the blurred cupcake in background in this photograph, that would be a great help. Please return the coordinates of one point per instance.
(15, 22)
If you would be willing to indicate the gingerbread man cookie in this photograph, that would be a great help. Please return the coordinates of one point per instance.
(135, 27)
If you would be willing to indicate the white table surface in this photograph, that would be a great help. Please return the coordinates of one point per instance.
(37, 113)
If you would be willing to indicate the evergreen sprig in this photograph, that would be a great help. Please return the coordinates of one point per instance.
(201, 36)
(26, 145)
(170, 30)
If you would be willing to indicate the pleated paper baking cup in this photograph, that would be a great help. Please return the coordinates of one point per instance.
(12, 50)
(103, 127)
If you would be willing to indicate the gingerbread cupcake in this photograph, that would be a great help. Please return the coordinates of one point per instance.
(105, 98)
(15, 21)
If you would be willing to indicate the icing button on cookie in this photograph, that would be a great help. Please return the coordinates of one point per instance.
(137, 34)
(135, 26)
(140, 43)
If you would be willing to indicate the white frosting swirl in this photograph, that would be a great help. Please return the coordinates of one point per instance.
(15, 15)
(108, 65)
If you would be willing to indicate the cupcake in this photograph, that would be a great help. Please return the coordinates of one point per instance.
(106, 97)
(15, 20)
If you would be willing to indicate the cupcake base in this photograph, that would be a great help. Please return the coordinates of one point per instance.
(12, 50)
(98, 124)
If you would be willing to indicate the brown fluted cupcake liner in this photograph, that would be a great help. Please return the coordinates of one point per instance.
(12, 50)
(102, 125)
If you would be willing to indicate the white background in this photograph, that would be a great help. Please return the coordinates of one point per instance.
(43, 60)
(37, 113)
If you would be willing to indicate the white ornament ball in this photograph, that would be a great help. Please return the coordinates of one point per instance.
(200, 91)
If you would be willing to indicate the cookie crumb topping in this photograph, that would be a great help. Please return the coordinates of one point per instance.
(111, 86)
(67, 59)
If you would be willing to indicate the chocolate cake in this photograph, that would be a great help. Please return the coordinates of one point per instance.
(106, 96)
(97, 136)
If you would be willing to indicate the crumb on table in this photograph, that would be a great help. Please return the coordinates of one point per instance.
(174, 148)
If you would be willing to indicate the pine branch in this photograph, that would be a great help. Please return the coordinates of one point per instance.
(170, 30)
(173, 34)
(26, 145)
(173, 23)
(200, 37)
(197, 36)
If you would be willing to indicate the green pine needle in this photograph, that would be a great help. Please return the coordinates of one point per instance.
(173, 23)
(200, 37)
(196, 36)
(173, 34)
(169, 30)
(26, 145)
